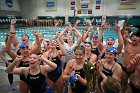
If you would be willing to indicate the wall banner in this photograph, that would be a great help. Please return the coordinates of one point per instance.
(9, 5)
(50, 5)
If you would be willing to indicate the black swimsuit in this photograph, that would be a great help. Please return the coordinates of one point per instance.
(95, 51)
(107, 72)
(36, 83)
(23, 64)
(55, 74)
(79, 88)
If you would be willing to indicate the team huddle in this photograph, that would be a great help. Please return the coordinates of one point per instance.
(63, 65)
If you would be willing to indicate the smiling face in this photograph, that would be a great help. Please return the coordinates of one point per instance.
(53, 44)
(24, 51)
(87, 47)
(110, 42)
(95, 39)
(34, 60)
(109, 56)
(79, 53)
(135, 39)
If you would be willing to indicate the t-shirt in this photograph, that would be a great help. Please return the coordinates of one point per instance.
(70, 51)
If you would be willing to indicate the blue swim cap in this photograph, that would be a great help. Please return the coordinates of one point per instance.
(95, 36)
(23, 45)
(111, 38)
(25, 35)
(89, 43)
(112, 50)
(71, 79)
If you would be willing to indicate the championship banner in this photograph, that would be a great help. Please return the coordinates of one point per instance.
(9, 5)
(50, 5)
(128, 1)
(72, 5)
(127, 4)
(84, 1)
(84, 4)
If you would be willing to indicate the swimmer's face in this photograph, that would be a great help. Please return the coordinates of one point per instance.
(34, 60)
(109, 56)
(79, 55)
(53, 44)
(87, 47)
(135, 39)
(24, 51)
(70, 39)
(25, 39)
(40, 35)
(110, 42)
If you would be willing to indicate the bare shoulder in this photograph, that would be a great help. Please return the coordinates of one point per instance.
(93, 55)
(45, 54)
(43, 69)
(70, 62)
(117, 66)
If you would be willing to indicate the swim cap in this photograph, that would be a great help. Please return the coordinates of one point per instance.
(112, 50)
(89, 43)
(111, 38)
(23, 46)
(25, 35)
(95, 36)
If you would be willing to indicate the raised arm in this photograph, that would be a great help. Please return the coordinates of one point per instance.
(38, 43)
(86, 34)
(76, 32)
(62, 32)
(55, 27)
(100, 44)
(120, 39)
(12, 29)
(91, 30)
(79, 36)
(62, 49)
(11, 53)
(76, 24)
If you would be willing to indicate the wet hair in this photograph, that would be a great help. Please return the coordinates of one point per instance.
(89, 43)
(80, 47)
(25, 35)
(95, 37)
(136, 34)
(127, 29)
(111, 85)
(84, 29)
(18, 52)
